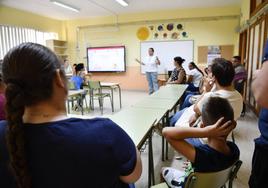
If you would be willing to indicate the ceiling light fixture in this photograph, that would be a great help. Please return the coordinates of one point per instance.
(122, 2)
(64, 5)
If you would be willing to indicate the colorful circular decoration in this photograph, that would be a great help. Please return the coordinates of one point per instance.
(184, 34)
(143, 33)
(151, 27)
(179, 27)
(165, 35)
(156, 35)
(175, 35)
(170, 27)
(160, 28)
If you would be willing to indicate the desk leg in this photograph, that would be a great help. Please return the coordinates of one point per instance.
(82, 105)
(151, 180)
(120, 99)
(112, 93)
(163, 143)
(167, 124)
(68, 106)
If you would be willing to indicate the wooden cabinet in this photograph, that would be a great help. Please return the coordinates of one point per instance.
(59, 47)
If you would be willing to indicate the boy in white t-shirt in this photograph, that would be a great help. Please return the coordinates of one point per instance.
(222, 74)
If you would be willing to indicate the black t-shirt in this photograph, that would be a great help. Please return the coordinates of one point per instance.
(72, 153)
(208, 159)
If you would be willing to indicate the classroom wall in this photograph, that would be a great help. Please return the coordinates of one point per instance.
(15, 17)
(245, 11)
(213, 32)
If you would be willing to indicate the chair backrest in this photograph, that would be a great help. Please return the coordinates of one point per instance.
(94, 85)
(71, 85)
(213, 179)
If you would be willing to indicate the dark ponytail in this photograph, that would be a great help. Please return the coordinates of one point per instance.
(28, 71)
(196, 67)
(15, 135)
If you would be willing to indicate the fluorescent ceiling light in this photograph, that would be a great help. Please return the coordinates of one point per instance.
(122, 2)
(64, 5)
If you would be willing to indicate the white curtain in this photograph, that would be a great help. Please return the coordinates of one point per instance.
(11, 36)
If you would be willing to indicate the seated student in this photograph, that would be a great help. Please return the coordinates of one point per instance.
(194, 78)
(192, 97)
(222, 74)
(67, 67)
(79, 77)
(178, 75)
(218, 154)
(40, 146)
(2, 98)
(239, 78)
(73, 68)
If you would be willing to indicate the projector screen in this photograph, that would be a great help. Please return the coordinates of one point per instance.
(106, 59)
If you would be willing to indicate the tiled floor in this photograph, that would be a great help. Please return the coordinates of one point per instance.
(245, 133)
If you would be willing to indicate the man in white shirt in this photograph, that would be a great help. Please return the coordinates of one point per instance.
(150, 66)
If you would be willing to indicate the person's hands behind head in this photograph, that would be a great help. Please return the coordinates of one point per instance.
(220, 129)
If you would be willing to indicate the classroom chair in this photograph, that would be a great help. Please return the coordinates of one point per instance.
(72, 100)
(96, 93)
(210, 180)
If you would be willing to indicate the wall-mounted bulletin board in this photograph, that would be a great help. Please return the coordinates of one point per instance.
(226, 51)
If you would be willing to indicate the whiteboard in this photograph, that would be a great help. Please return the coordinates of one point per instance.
(166, 51)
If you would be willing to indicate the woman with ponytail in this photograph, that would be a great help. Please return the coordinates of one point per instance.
(41, 146)
(195, 77)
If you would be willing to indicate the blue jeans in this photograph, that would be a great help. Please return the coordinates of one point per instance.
(192, 88)
(186, 102)
(176, 117)
(152, 81)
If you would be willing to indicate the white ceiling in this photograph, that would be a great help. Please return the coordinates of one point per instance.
(93, 8)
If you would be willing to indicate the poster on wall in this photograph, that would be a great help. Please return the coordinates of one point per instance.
(213, 52)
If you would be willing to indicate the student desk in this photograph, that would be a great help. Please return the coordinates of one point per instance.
(170, 91)
(112, 87)
(166, 98)
(138, 123)
(76, 93)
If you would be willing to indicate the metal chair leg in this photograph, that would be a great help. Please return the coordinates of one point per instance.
(111, 103)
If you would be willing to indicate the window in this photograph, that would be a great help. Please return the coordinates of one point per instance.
(11, 36)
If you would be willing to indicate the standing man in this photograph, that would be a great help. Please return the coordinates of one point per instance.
(258, 178)
(239, 78)
(150, 67)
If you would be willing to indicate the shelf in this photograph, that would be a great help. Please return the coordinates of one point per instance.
(63, 55)
(60, 47)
